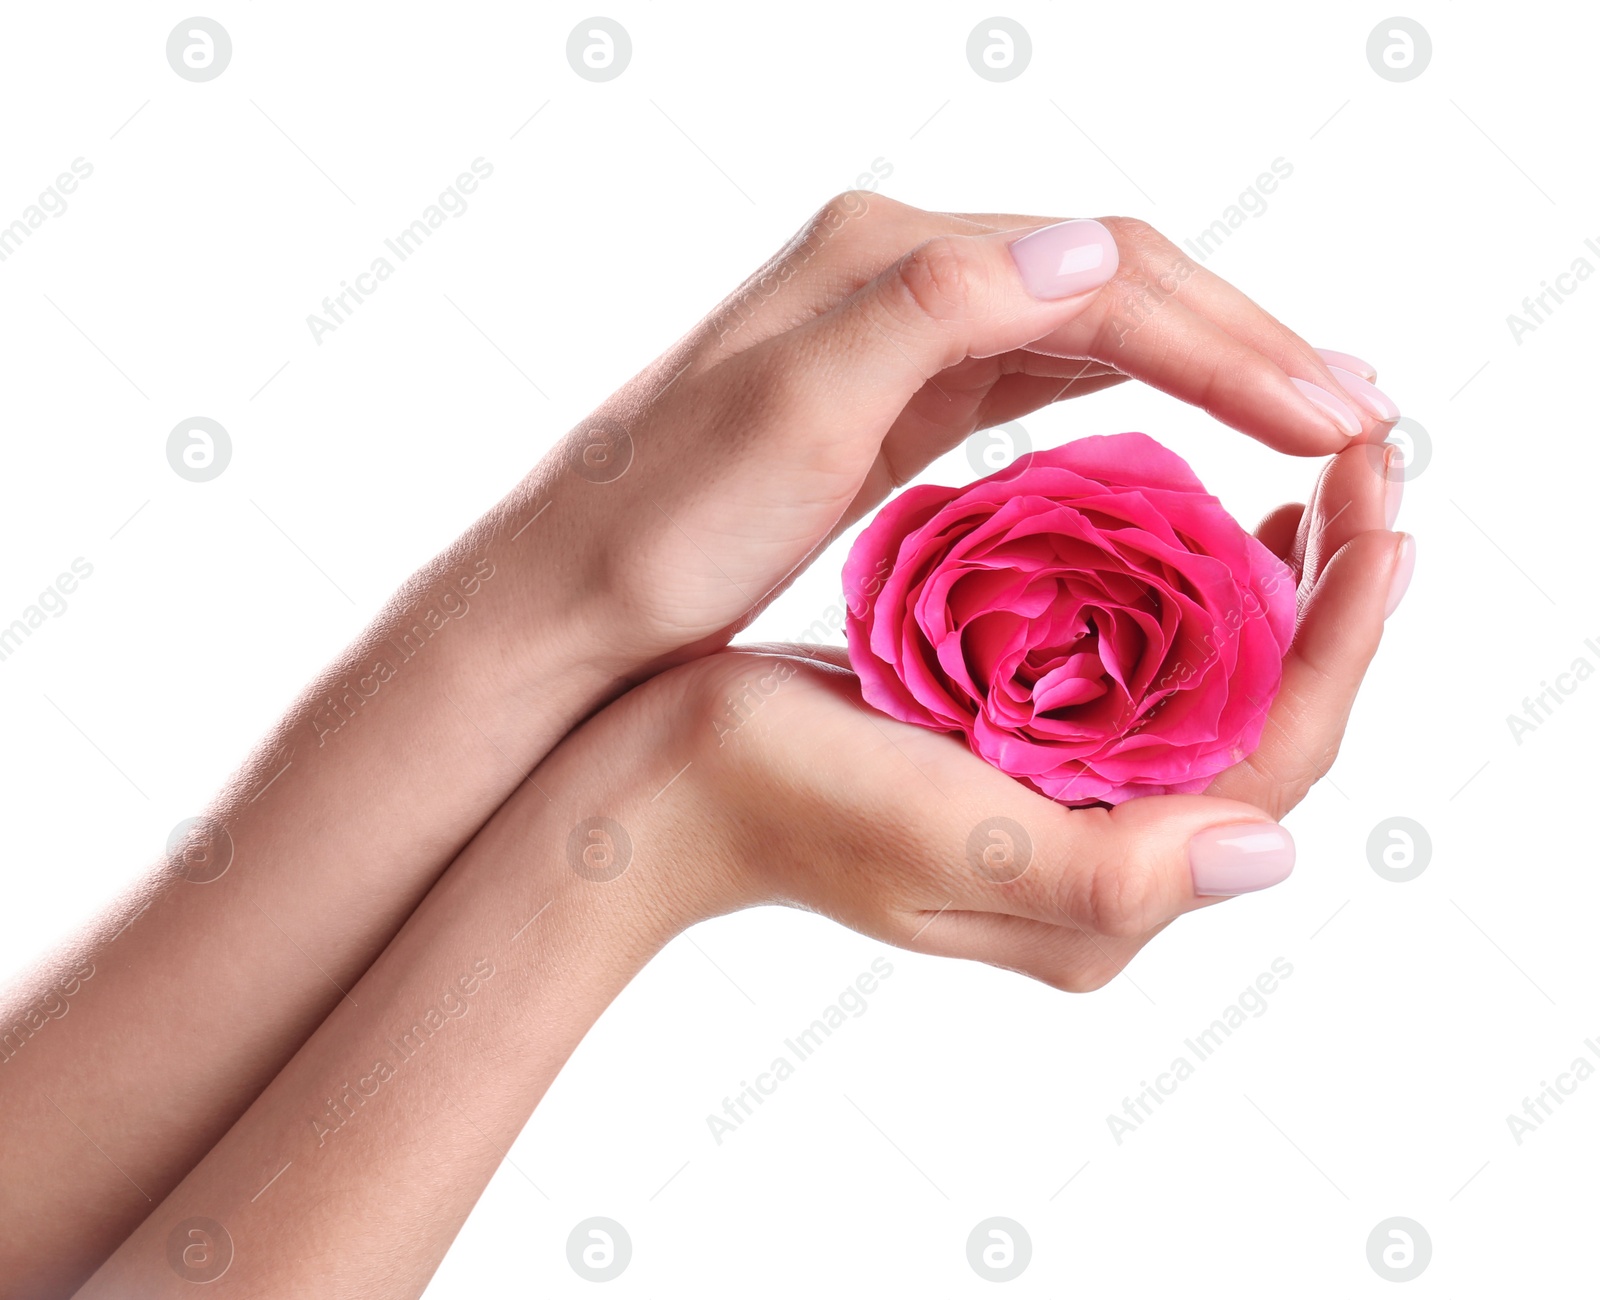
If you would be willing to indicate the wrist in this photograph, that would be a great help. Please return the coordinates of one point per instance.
(641, 820)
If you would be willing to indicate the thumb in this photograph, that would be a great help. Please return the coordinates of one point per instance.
(954, 297)
(1122, 872)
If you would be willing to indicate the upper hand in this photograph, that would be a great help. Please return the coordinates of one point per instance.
(873, 342)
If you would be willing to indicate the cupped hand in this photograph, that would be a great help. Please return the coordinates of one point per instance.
(810, 798)
(873, 342)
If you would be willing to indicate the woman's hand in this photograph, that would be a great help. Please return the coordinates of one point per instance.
(901, 833)
(876, 340)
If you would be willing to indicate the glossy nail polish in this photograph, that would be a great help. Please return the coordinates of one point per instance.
(1067, 258)
(1375, 401)
(1334, 408)
(1404, 564)
(1240, 858)
(1394, 483)
(1345, 361)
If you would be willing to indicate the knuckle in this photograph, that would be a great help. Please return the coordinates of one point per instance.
(844, 211)
(1134, 233)
(1120, 899)
(939, 279)
(845, 206)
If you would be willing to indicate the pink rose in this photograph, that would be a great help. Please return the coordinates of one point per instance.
(1090, 619)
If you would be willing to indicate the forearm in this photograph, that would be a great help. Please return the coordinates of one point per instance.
(381, 1133)
(202, 984)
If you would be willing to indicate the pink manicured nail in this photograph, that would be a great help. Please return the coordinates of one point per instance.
(1379, 403)
(1404, 563)
(1344, 361)
(1240, 859)
(1394, 485)
(1066, 258)
(1329, 405)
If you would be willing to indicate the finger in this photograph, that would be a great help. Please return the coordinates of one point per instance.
(845, 243)
(1064, 957)
(1277, 532)
(1119, 873)
(1249, 322)
(1017, 395)
(1340, 628)
(1358, 491)
(950, 298)
(1239, 314)
(1143, 327)
(1355, 365)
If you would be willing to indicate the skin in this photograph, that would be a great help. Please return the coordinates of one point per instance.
(369, 1200)
(775, 423)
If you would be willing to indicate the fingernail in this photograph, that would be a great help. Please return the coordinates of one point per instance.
(1240, 859)
(1404, 563)
(1344, 361)
(1379, 403)
(1066, 258)
(1339, 411)
(1394, 483)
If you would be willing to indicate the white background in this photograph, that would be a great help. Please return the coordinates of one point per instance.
(1418, 1015)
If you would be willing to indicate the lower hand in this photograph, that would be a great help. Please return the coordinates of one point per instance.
(901, 833)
